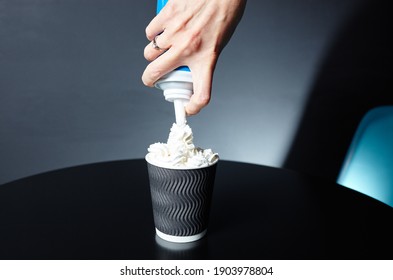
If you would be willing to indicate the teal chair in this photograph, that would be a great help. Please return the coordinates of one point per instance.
(368, 166)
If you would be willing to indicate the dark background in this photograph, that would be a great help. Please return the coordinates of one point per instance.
(289, 89)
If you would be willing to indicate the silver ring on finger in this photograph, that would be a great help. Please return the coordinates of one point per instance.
(155, 46)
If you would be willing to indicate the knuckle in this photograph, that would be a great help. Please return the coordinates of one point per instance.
(145, 81)
(147, 53)
(192, 43)
(154, 75)
(149, 34)
(192, 109)
(203, 100)
(151, 75)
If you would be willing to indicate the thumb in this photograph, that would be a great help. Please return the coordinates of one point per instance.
(202, 82)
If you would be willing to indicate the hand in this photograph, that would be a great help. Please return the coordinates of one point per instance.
(192, 33)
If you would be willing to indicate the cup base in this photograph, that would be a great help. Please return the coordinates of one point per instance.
(180, 239)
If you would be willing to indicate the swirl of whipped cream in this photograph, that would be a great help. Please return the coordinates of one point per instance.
(180, 151)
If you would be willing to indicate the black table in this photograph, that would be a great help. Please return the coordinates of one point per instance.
(103, 211)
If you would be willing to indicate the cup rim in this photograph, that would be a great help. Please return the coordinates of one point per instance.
(178, 167)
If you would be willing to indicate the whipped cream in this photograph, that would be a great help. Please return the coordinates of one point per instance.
(180, 152)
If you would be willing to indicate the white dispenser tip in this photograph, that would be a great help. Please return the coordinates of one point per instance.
(180, 112)
(177, 88)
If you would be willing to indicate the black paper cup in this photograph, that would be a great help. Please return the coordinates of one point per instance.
(181, 200)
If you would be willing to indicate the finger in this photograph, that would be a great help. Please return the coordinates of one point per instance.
(152, 51)
(159, 67)
(156, 26)
(202, 90)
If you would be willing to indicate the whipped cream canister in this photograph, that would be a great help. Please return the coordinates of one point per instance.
(177, 85)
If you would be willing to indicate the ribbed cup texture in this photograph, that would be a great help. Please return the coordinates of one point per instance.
(181, 198)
